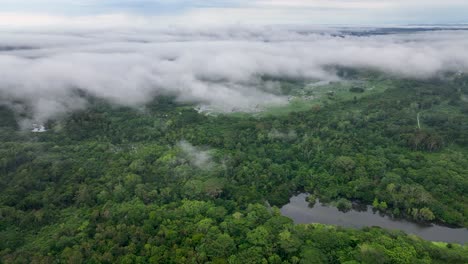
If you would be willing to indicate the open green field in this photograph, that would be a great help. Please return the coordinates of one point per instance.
(304, 96)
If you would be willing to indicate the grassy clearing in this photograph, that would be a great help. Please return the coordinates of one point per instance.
(308, 97)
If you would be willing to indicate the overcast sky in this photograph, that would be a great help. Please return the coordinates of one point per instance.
(216, 12)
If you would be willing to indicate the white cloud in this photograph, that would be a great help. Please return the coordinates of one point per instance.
(196, 155)
(218, 67)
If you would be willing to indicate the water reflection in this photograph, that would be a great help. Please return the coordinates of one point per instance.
(298, 209)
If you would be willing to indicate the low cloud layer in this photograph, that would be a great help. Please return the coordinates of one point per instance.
(220, 68)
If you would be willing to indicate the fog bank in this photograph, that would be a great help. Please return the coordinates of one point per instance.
(220, 68)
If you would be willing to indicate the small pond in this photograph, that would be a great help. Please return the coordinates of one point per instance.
(298, 209)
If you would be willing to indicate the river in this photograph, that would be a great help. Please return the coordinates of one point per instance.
(298, 209)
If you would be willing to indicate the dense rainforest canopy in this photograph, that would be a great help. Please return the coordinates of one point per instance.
(167, 184)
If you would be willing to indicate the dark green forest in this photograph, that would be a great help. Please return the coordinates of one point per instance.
(166, 184)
